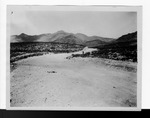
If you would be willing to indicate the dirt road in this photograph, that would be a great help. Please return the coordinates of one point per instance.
(52, 80)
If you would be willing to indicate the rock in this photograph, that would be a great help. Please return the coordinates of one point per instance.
(51, 72)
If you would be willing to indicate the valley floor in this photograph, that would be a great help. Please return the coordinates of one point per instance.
(51, 80)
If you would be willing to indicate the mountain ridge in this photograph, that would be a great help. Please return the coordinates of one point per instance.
(50, 37)
(65, 37)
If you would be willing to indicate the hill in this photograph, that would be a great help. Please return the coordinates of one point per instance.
(95, 43)
(123, 48)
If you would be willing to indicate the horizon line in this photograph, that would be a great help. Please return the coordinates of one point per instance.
(72, 33)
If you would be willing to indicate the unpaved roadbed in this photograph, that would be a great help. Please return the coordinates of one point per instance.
(52, 80)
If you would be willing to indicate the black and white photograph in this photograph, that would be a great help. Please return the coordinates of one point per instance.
(73, 57)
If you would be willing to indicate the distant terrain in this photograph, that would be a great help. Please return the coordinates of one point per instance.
(60, 37)
(122, 48)
(26, 49)
(73, 70)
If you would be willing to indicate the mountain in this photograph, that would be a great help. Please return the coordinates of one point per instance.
(14, 39)
(126, 40)
(62, 37)
(123, 48)
(30, 38)
(83, 37)
(104, 39)
(95, 43)
(128, 37)
(44, 37)
(71, 39)
(57, 35)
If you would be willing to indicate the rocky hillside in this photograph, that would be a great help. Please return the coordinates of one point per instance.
(124, 48)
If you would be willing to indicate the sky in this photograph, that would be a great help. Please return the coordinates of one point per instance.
(110, 24)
